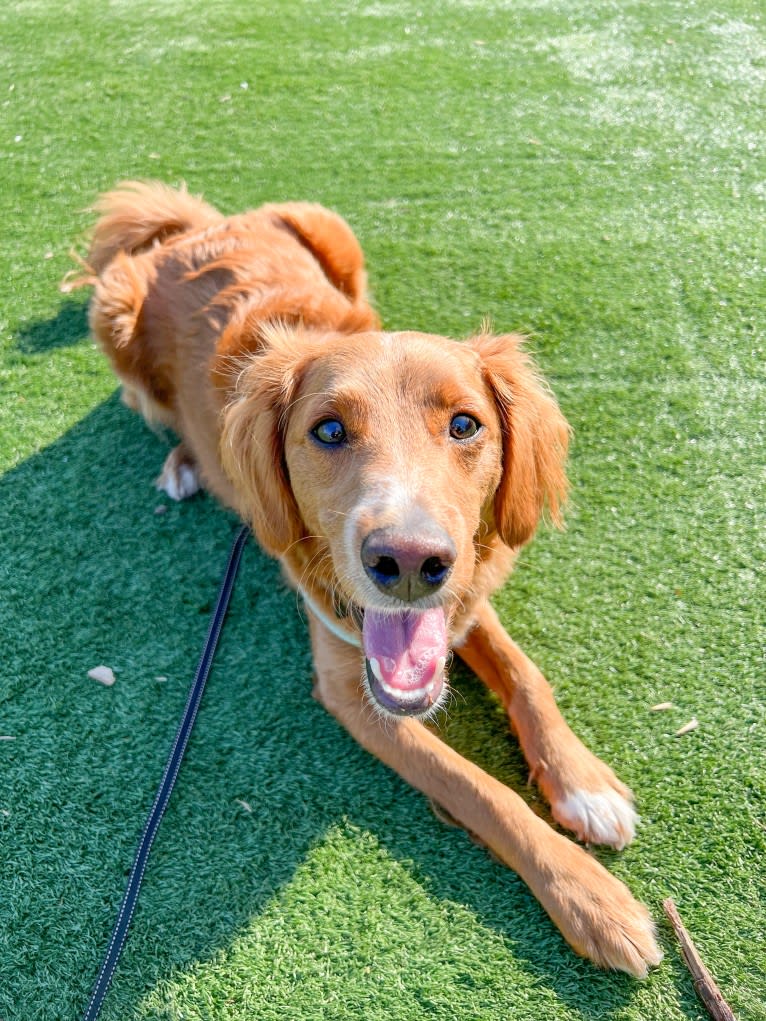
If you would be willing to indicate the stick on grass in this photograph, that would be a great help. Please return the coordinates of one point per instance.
(706, 988)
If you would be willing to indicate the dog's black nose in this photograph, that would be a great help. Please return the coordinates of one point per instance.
(408, 566)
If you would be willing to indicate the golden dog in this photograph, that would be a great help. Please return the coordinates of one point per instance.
(395, 476)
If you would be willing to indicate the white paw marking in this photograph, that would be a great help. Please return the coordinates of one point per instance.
(179, 482)
(598, 817)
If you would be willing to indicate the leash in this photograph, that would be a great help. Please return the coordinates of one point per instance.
(125, 914)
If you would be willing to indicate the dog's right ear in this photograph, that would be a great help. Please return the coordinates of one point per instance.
(252, 439)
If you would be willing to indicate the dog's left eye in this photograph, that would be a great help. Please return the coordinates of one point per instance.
(463, 427)
(331, 432)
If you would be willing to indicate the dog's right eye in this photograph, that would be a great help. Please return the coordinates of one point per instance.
(330, 432)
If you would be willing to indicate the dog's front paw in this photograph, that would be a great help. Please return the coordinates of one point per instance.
(598, 915)
(597, 817)
(586, 797)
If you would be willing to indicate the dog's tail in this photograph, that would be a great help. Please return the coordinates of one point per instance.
(137, 214)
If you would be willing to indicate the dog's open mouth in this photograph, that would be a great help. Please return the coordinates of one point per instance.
(405, 655)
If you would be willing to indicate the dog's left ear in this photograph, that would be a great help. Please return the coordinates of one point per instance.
(535, 439)
(252, 438)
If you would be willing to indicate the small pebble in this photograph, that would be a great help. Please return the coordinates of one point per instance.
(102, 674)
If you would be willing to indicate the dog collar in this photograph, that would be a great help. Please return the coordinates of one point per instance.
(333, 625)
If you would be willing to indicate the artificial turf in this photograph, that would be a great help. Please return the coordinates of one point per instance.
(592, 173)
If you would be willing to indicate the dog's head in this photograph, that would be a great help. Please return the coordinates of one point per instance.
(384, 468)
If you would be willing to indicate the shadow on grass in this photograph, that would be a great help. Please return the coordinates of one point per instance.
(68, 327)
(95, 575)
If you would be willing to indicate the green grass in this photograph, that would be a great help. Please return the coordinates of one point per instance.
(593, 173)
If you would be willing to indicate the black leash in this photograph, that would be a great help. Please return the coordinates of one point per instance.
(120, 931)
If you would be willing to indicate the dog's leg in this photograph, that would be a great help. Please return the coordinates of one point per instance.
(179, 477)
(584, 794)
(595, 912)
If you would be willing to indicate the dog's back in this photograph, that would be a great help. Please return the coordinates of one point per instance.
(170, 273)
(182, 294)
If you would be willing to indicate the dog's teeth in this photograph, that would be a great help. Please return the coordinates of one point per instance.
(440, 665)
(375, 667)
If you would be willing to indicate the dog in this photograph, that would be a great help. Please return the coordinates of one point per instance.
(395, 475)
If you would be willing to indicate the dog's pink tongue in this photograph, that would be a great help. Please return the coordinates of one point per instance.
(406, 651)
